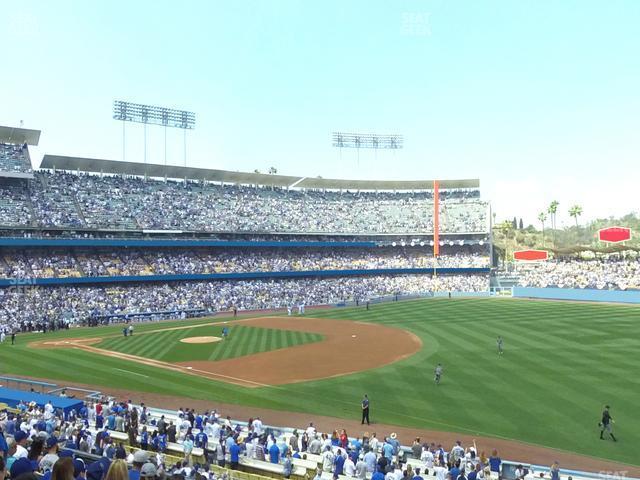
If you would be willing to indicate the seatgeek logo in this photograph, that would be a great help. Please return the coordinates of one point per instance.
(22, 285)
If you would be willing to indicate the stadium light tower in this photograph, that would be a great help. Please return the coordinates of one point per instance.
(149, 114)
(366, 140)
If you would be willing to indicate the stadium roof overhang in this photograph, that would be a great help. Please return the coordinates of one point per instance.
(116, 167)
(164, 171)
(17, 175)
(340, 184)
(19, 135)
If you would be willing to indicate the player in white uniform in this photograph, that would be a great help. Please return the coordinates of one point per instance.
(289, 310)
(438, 374)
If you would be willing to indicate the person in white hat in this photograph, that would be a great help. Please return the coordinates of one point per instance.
(148, 471)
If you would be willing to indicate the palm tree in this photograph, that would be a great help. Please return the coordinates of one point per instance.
(575, 212)
(543, 218)
(506, 228)
(553, 209)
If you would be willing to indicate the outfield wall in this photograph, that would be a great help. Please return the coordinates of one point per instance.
(461, 294)
(578, 294)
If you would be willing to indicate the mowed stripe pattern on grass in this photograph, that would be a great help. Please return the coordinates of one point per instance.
(562, 363)
(243, 340)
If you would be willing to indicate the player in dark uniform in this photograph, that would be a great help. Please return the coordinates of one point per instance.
(606, 424)
(365, 410)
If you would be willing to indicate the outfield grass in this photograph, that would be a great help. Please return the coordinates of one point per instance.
(562, 362)
(243, 340)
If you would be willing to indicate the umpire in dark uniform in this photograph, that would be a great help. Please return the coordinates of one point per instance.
(365, 409)
(606, 424)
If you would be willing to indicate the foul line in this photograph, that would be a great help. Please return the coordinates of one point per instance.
(132, 373)
(168, 366)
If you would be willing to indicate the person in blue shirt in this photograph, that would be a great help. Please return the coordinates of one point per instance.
(162, 443)
(228, 442)
(378, 475)
(274, 454)
(495, 461)
(473, 475)
(202, 440)
(154, 441)
(10, 428)
(338, 463)
(356, 446)
(41, 425)
(4, 447)
(109, 449)
(234, 455)
(393, 440)
(282, 446)
(50, 426)
(417, 476)
(455, 471)
(111, 421)
(144, 439)
(387, 451)
(555, 471)
(287, 467)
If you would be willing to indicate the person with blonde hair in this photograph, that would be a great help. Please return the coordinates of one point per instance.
(117, 471)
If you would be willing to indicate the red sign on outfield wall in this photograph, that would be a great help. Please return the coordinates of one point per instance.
(530, 255)
(614, 234)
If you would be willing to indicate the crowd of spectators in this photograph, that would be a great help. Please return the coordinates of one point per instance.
(608, 273)
(27, 303)
(132, 203)
(47, 263)
(14, 159)
(135, 442)
(14, 207)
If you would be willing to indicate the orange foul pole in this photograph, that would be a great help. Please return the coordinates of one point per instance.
(436, 218)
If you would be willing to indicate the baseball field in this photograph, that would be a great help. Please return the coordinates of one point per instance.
(562, 362)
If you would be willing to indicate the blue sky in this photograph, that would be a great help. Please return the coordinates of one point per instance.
(539, 99)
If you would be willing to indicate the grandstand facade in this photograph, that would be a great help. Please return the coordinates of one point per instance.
(99, 238)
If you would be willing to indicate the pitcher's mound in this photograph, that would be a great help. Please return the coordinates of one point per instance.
(200, 339)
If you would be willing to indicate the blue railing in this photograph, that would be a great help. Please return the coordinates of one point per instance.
(173, 243)
(29, 282)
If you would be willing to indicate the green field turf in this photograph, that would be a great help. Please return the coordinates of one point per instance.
(562, 362)
(242, 340)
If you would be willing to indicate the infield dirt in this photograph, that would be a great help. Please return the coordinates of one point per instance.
(347, 347)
